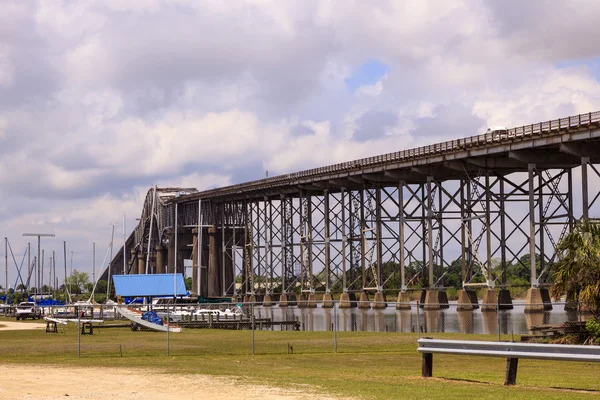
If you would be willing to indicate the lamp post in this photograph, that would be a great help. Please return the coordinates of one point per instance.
(39, 236)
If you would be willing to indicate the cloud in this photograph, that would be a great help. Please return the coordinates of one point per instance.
(100, 100)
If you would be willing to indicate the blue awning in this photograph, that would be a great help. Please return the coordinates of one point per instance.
(152, 285)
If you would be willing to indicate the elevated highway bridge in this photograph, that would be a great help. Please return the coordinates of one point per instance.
(384, 224)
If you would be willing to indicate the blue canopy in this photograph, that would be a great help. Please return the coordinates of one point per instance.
(152, 285)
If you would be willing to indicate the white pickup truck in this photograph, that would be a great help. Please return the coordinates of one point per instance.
(28, 309)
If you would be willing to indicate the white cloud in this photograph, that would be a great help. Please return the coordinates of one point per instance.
(99, 100)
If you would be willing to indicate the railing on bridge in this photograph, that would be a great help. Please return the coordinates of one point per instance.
(495, 137)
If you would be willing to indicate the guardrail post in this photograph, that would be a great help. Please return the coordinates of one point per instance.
(427, 365)
(511, 371)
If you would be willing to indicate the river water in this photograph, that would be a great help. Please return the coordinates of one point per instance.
(514, 321)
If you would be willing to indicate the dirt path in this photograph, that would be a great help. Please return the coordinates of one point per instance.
(55, 382)
(20, 326)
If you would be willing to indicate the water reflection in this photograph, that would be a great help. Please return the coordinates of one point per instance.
(466, 321)
(514, 321)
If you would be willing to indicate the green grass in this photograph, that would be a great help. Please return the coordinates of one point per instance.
(367, 364)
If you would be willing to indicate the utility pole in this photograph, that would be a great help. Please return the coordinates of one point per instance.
(6, 267)
(41, 275)
(54, 281)
(112, 238)
(39, 236)
(94, 263)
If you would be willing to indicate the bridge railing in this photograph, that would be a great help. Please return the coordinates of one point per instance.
(500, 136)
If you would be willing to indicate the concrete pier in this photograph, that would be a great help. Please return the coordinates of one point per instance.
(505, 300)
(379, 302)
(431, 300)
(311, 301)
(141, 263)
(465, 300)
(287, 299)
(403, 301)
(160, 260)
(533, 301)
(435, 300)
(267, 302)
(328, 301)
(546, 299)
(364, 302)
(348, 300)
(249, 298)
(489, 301)
(302, 301)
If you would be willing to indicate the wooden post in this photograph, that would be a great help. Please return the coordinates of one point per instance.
(427, 366)
(511, 371)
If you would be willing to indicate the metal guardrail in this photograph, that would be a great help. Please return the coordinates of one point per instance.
(496, 137)
(511, 351)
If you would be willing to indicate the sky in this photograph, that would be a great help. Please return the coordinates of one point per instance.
(99, 100)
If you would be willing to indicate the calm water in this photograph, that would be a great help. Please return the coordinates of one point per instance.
(391, 320)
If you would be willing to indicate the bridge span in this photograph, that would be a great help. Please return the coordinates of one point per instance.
(383, 225)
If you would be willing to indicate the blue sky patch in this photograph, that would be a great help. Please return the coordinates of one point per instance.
(592, 63)
(367, 74)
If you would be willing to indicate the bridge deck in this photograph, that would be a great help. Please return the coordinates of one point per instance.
(558, 143)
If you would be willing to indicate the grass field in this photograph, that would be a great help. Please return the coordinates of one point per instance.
(367, 365)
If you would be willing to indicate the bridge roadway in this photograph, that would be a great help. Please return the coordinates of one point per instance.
(560, 143)
(383, 224)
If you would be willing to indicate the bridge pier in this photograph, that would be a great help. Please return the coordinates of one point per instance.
(267, 301)
(489, 301)
(537, 300)
(467, 300)
(435, 300)
(505, 300)
(160, 260)
(348, 300)
(328, 301)
(379, 302)
(403, 302)
(364, 302)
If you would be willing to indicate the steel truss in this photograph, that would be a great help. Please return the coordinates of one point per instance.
(392, 236)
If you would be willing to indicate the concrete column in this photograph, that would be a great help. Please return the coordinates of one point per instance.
(171, 254)
(311, 301)
(283, 300)
(364, 302)
(327, 301)
(465, 300)
(160, 260)
(348, 300)
(489, 301)
(533, 301)
(141, 263)
(504, 300)
(379, 302)
(403, 301)
(214, 289)
(431, 300)
(133, 269)
(267, 301)
(302, 301)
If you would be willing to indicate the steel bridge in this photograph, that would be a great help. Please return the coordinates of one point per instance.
(385, 224)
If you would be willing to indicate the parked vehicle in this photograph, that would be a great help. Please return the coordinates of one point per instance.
(28, 309)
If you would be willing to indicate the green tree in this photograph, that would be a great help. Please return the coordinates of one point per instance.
(577, 272)
(77, 281)
(101, 286)
(188, 283)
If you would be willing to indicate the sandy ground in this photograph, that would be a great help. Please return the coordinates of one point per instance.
(56, 382)
(33, 382)
(20, 326)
